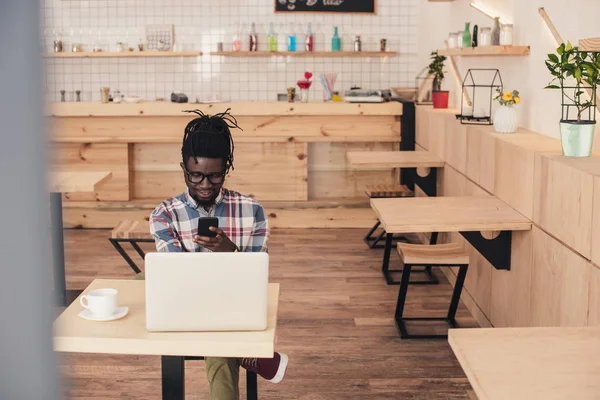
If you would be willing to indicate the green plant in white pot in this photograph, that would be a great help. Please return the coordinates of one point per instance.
(575, 72)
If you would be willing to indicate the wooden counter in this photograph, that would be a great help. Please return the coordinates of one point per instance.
(286, 152)
(555, 268)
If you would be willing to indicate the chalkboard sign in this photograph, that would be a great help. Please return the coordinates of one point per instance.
(332, 6)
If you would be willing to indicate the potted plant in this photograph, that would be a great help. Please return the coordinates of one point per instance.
(575, 72)
(436, 69)
(505, 117)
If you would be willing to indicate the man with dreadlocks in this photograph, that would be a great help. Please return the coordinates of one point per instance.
(207, 158)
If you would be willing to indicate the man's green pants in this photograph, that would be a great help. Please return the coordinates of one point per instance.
(223, 374)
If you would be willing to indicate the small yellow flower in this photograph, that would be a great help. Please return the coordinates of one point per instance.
(507, 96)
(517, 100)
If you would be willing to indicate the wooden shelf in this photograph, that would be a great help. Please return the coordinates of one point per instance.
(304, 53)
(134, 54)
(590, 44)
(487, 51)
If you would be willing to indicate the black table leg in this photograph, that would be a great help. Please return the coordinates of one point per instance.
(386, 258)
(251, 386)
(173, 377)
(58, 248)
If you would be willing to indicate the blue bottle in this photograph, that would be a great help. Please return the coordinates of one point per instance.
(292, 39)
(336, 42)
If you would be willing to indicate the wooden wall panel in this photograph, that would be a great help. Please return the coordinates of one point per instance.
(267, 171)
(341, 217)
(456, 145)
(511, 293)
(437, 134)
(563, 202)
(514, 173)
(594, 302)
(451, 183)
(479, 276)
(422, 126)
(596, 222)
(559, 283)
(287, 128)
(96, 157)
(330, 175)
(480, 158)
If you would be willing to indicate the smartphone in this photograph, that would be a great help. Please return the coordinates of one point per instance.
(206, 222)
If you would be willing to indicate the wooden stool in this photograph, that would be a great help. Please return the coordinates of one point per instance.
(440, 255)
(133, 232)
(385, 191)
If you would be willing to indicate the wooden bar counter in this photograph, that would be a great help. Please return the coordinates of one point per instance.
(288, 155)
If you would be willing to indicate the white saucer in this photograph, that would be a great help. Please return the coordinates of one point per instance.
(118, 314)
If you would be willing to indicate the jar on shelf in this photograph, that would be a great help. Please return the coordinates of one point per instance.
(453, 40)
(485, 37)
(459, 39)
(506, 35)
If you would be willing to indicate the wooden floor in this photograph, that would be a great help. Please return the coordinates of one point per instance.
(335, 323)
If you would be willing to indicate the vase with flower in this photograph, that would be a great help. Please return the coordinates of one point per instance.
(304, 85)
(505, 117)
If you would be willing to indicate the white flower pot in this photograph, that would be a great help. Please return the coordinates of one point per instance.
(577, 138)
(505, 119)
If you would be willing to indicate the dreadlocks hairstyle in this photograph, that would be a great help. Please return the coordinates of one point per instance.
(210, 137)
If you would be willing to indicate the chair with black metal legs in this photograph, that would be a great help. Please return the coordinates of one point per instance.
(384, 191)
(439, 255)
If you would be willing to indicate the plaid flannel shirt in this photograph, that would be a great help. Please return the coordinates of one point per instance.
(174, 222)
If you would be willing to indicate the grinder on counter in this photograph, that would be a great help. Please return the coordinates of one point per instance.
(179, 98)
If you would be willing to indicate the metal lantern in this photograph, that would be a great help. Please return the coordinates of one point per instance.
(478, 95)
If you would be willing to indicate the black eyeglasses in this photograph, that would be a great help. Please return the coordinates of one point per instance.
(198, 177)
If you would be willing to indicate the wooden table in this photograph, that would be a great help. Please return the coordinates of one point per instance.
(408, 161)
(530, 363)
(129, 336)
(62, 182)
(468, 215)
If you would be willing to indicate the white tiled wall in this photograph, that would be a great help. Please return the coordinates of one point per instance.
(200, 25)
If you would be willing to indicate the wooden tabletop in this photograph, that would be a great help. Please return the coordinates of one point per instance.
(530, 363)
(129, 336)
(77, 181)
(394, 159)
(447, 214)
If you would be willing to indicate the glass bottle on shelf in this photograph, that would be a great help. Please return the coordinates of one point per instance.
(236, 44)
(292, 38)
(309, 40)
(336, 42)
(496, 32)
(272, 39)
(453, 40)
(506, 35)
(467, 38)
(475, 38)
(459, 39)
(253, 39)
(485, 37)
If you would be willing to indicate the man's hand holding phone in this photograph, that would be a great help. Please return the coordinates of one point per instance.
(211, 237)
(219, 243)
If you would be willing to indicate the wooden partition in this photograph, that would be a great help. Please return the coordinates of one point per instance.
(555, 268)
(290, 157)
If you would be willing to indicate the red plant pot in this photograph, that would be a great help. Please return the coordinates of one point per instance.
(440, 99)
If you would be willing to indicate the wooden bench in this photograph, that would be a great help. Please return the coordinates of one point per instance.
(384, 191)
(133, 232)
(428, 255)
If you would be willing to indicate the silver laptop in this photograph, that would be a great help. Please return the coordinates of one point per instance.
(206, 291)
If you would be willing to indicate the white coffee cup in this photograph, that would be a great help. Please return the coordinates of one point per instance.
(100, 302)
